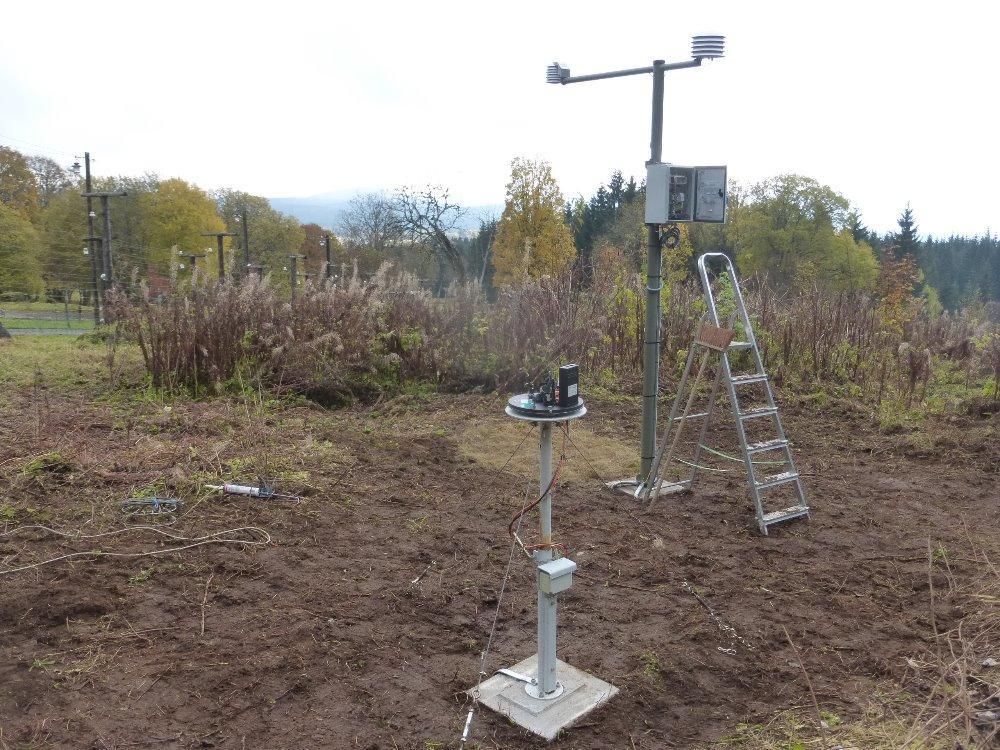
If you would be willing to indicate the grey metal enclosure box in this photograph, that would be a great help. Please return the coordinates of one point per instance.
(556, 576)
(685, 194)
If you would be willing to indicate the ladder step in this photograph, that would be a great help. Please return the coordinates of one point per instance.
(699, 415)
(767, 445)
(747, 379)
(776, 480)
(766, 411)
(740, 345)
(786, 514)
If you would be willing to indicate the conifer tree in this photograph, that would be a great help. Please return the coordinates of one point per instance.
(906, 242)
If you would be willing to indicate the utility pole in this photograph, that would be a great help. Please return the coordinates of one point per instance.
(329, 260)
(222, 263)
(192, 258)
(91, 238)
(295, 273)
(93, 249)
(107, 266)
(703, 48)
(246, 240)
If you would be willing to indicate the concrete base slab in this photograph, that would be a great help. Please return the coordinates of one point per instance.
(630, 487)
(582, 693)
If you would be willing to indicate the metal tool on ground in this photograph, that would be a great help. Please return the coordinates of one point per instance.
(262, 490)
(541, 693)
(712, 339)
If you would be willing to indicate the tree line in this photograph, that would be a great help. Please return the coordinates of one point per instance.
(796, 231)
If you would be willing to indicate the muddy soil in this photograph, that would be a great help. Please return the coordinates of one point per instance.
(360, 624)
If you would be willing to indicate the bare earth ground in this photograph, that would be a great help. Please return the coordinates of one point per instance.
(321, 638)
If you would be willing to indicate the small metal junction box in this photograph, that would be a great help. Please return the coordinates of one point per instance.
(685, 194)
(556, 575)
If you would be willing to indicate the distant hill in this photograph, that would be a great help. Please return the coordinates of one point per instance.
(326, 209)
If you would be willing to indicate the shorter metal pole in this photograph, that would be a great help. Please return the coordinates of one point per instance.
(547, 682)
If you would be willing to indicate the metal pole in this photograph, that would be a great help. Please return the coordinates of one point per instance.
(109, 280)
(222, 252)
(106, 259)
(329, 260)
(294, 274)
(705, 48)
(546, 602)
(90, 242)
(246, 241)
(654, 265)
(193, 259)
(222, 260)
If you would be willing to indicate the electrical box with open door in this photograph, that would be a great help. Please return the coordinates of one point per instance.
(685, 194)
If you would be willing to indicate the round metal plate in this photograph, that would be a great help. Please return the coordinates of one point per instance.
(532, 688)
(522, 407)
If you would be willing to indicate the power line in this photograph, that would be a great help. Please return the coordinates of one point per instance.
(36, 145)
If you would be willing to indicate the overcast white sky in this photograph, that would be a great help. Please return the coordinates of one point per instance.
(887, 102)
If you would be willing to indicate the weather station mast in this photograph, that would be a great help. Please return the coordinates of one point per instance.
(673, 195)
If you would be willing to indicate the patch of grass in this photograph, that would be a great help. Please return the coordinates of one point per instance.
(63, 362)
(416, 525)
(143, 575)
(830, 719)
(651, 665)
(47, 463)
(884, 725)
(42, 665)
(53, 307)
(14, 323)
(421, 389)
(489, 441)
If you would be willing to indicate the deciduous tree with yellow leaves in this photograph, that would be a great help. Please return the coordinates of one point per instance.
(532, 239)
(175, 215)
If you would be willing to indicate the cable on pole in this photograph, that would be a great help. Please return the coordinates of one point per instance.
(466, 732)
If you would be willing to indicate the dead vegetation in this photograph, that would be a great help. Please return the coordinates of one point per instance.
(363, 339)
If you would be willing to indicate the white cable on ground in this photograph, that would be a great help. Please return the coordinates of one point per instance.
(258, 538)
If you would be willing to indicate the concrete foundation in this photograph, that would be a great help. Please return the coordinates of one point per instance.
(581, 694)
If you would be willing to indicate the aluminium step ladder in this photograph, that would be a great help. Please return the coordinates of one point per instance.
(713, 339)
